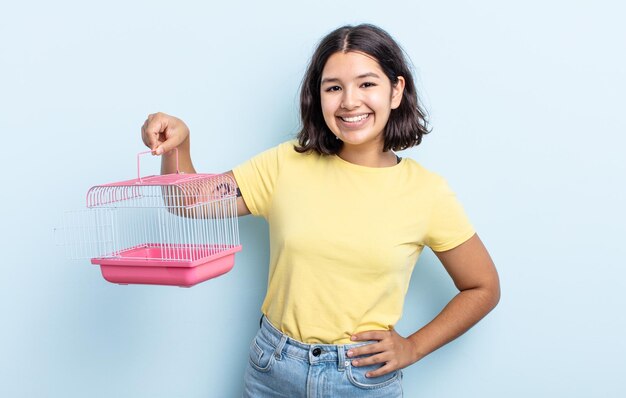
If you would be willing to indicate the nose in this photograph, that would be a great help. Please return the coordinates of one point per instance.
(350, 99)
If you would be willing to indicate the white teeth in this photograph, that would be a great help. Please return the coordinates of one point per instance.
(355, 118)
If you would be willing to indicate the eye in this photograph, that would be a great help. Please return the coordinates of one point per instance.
(368, 84)
(332, 89)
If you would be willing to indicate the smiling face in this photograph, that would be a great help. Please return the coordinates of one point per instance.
(357, 98)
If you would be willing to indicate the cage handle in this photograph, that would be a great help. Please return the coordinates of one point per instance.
(146, 152)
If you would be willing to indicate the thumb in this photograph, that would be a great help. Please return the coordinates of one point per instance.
(160, 149)
(165, 147)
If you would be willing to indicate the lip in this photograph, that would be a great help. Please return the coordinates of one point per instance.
(353, 125)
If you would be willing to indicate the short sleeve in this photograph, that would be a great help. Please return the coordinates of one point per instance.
(449, 225)
(256, 179)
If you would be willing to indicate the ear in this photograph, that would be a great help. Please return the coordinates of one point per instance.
(396, 93)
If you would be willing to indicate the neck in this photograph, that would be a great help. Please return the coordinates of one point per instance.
(369, 157)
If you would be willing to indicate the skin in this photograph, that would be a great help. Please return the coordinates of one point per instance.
(162, 133)
(474, 274)
(354, 85)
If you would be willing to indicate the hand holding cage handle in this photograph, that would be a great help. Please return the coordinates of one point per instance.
(147, 152)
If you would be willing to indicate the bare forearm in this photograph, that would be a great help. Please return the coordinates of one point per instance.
(168, 161)
(459, 315)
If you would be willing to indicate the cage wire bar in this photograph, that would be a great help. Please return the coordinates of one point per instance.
(167, 218)
(88, 233)
(173, 229)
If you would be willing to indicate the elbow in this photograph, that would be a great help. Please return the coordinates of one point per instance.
(493, 293)
(495, 297)
(487, 294)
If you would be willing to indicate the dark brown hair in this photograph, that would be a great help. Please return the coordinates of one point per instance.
(407, 123)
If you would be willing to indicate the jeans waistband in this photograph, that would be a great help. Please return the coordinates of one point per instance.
(311, 353)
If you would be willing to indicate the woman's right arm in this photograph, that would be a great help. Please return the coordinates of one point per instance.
(162, 133)
(242, 208)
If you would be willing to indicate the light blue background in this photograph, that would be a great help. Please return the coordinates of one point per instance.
(527, 103)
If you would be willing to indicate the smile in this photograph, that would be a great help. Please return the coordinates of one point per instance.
(354, 119)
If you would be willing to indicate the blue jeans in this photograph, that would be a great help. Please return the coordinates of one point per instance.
(280, 366)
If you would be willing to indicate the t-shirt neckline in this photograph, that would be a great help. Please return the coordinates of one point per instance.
(368, 169)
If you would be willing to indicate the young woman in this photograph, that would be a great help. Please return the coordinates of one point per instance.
(348, 219)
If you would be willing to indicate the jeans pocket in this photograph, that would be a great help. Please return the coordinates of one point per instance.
(356, 376)
(261, 355)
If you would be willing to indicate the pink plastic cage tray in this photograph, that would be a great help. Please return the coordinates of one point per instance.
(143, 265)
(176, 229)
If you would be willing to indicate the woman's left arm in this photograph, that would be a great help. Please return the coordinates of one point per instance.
(475, 275)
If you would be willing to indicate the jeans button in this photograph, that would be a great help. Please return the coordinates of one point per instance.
(317, 351)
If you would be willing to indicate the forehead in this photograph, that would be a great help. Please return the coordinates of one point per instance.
(349, 65)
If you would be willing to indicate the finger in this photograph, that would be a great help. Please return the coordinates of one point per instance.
(150, 139)
(160, 149)
(370, 335)
(144, 136)
(155, 126)
(373, 348)
(153, 129)
(165, 146)
(383, 370)
(371, 360)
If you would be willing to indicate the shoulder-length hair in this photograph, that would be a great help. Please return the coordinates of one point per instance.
(407, 123)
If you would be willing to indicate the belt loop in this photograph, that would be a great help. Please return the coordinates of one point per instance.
(279, 348)
(341, 358)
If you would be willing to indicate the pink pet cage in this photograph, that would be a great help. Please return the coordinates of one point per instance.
(175, 229)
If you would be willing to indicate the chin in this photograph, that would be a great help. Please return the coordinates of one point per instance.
(353, 140)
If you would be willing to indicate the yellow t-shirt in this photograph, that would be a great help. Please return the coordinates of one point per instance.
(344, 238)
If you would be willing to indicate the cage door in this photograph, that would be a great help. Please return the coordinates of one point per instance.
(88, 233)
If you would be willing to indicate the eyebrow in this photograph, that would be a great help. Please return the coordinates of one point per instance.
(334, 79)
